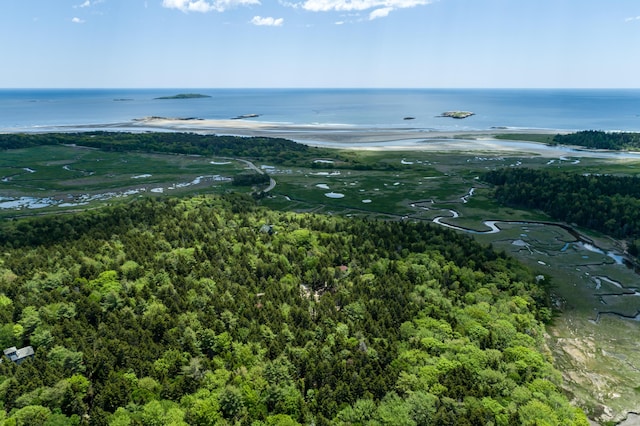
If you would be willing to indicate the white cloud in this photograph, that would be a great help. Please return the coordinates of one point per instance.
(77, 20)
(267, 21)
(359, 5)
(206, 5)
(633, 18)
(383, 12)
(88, 3)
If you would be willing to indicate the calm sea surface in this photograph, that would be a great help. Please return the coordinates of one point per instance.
(40, 109)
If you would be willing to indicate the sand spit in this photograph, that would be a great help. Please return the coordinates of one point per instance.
(359, 137)
(313, 132)
(369, 138)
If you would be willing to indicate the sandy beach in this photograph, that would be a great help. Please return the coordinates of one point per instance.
(319, 133)
(362, 138)
(374, 138)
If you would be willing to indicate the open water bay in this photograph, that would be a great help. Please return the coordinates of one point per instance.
(44, 109)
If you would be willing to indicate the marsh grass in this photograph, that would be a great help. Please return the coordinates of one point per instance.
(608, 347)
(70, 168)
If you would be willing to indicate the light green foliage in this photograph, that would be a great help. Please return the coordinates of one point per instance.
(162, 413)
(422, 406)
(29, 319)
(394, 410)
(31, 415)
(538, 413)
(58, 311)
(178, 259)
(120, 418)
(46, 396)
(155, 309)
(79, 384)
(70, 360)
(106, 282)
(279, 420)
(170, 364)
(204, 411)
(5, 301)
(49, 280)
(18, 331)
(7, 276)
(362, 412)
(42, 337)
(217, 379)
(301, 238)
(183, 312)
(131, 270)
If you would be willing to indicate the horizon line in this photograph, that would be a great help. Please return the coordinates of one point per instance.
(311, 88)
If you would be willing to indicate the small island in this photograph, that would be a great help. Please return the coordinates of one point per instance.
(157, 118)
(243, 116)
(457, 114)
(185, 96)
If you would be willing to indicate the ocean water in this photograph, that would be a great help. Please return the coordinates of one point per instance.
(602, 109)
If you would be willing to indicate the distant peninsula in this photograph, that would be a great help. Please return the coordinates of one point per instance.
(185, 96)
(457, 114)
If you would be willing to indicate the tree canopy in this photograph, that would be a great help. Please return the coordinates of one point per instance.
(187, 311)
(597, 139)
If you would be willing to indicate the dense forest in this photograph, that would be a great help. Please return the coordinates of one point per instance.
(277, 150)
(211, 310)
(595, 139)
(605, 203)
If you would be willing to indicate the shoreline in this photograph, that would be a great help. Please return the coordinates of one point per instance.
(340, 136)
(321, 132)
(243, 127)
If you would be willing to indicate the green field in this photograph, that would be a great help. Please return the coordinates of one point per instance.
(70, 177)
(595, 352)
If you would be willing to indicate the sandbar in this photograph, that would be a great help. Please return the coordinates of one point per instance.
(315, 132)
(377, 138)
(360, 137)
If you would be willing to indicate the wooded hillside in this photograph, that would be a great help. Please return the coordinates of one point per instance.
(209, 311)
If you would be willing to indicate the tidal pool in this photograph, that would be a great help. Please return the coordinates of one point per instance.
(334, 195)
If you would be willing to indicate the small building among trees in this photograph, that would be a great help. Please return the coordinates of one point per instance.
(19, 355)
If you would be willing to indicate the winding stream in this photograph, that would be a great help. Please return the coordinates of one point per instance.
(581, 241)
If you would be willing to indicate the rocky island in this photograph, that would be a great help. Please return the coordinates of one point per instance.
(457, 114)
(243, 116)
(185, 96)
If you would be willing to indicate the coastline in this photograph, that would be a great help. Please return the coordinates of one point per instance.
(352, 137)
(319, 132)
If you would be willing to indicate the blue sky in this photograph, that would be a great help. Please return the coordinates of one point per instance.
(320, 43)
